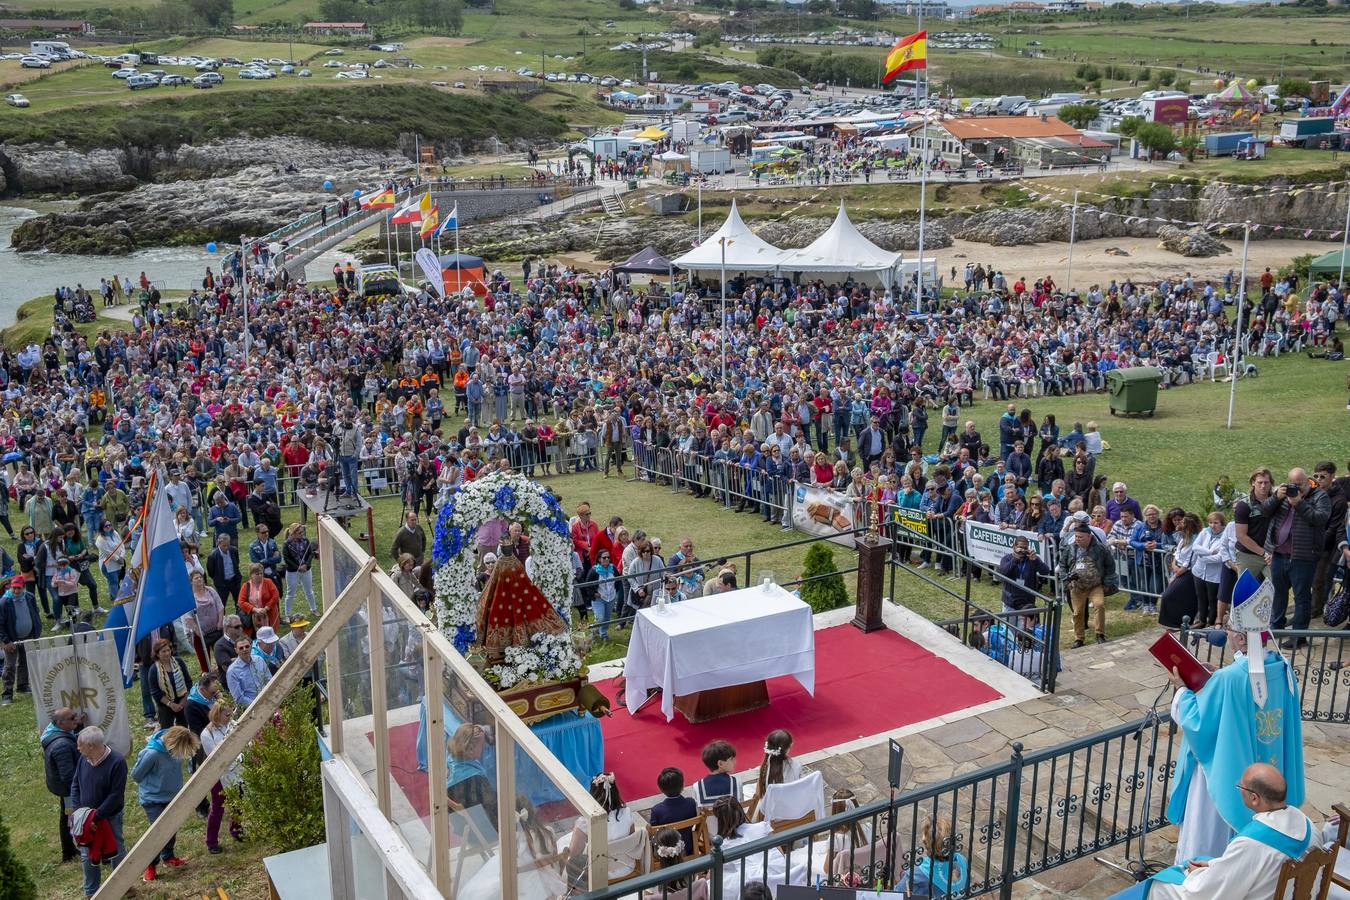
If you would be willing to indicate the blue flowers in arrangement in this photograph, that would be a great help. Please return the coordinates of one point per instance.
(505, 499)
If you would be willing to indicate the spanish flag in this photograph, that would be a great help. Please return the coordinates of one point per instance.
(430, 218)
(910, 52)
(382, 199)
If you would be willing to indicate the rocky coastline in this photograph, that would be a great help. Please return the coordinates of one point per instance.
(188, 195)
(191, 194)
(1143, 216)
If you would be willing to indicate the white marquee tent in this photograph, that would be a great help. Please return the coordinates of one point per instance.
(745, 250)
(843, 250)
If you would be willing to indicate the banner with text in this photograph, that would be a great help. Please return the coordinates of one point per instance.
(989, 543)
(822, 512)
(83, 672)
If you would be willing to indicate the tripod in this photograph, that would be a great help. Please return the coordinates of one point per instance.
(1141, 868)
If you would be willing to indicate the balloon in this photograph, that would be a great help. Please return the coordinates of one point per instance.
(1218, 84)
(210, 246)
(1252, 84)
(356, 193)
(328, 184)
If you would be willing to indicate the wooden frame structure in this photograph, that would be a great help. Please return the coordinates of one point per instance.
(374, 593)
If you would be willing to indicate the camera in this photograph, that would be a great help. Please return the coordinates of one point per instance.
(1293, 490)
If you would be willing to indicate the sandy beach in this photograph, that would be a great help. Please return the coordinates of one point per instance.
(1146, 261)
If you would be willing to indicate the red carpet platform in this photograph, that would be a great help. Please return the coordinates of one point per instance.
(866, 684)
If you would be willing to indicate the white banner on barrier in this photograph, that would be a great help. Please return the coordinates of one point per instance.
(822, 512)
(80, 671)
(989, 543)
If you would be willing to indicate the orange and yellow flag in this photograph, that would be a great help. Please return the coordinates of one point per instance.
(430, 219)
(910, 52)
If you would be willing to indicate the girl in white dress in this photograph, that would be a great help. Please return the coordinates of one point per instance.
(538, 877)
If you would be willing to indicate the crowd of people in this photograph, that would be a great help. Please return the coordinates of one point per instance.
(835, 385)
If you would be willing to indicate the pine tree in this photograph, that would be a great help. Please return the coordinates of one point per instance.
(822, 593)
(15, 882)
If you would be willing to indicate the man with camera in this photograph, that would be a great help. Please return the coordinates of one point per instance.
(1088, 571)
(348, 440)
(1023, 570)
(1298, 511)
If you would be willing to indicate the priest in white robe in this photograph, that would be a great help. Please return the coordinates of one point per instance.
(1250, 866)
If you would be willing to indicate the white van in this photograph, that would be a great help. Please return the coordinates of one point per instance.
(52, 49)
(1006, 104)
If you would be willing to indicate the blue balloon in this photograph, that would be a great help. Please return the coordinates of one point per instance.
(356, 193)
(210, 246)
(328, 184)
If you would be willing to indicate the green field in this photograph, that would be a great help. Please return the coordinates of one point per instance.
(1292, 414)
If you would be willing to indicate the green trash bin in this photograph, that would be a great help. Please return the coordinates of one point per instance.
(1134, 390)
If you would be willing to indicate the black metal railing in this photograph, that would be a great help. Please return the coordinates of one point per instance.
(1320, 659)
(1004, 822)
(1025, 639)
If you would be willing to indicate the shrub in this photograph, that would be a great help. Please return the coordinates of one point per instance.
(1079, 115)
(15, 882)
(826, 592)
(279, 796)
(1156, 137)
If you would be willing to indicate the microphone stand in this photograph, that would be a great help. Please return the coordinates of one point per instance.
(1141, 868)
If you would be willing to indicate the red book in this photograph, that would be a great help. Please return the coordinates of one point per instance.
(1168, 651)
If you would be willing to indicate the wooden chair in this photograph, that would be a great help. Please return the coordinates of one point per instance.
(1342, 835)
(698, 827)
(1313, 872)
(637, 846)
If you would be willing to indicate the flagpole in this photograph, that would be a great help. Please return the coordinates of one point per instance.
(388, 243)
(923, 162)
(1235, 354)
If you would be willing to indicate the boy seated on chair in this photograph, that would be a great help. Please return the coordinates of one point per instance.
(676, 807)
(720, 758)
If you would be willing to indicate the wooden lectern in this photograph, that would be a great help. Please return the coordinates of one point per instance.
(871, 578)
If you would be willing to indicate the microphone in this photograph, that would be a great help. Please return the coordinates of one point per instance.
(1217, 637)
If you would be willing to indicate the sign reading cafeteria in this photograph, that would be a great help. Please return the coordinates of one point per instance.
(989, 543)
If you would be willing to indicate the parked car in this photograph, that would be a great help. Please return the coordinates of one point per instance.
(332, 64)
(334, 52)
(125, 73)
(35, 62)
(303, 73)
(113, 63)
(351, 73)
(173, 80)
(257, 73)
(207, 80)
(459, 84)
(136, 82)
(288, 70)
(18, 100)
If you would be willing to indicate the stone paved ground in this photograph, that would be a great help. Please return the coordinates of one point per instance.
(1100, 686)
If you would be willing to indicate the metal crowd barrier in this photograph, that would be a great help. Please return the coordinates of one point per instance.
(1008, 821)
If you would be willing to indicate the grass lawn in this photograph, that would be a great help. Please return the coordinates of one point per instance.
(1292, 414)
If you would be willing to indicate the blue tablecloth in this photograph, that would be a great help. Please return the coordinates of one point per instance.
(574, 740)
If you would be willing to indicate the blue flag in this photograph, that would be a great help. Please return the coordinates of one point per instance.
(162, 589)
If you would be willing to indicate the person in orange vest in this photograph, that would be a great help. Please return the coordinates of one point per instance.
(461, 382)
(430, 381)
(351, 277)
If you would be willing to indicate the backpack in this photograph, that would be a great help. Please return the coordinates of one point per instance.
(1337, 609)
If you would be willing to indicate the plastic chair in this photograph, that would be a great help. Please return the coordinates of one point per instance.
(1216, 361)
